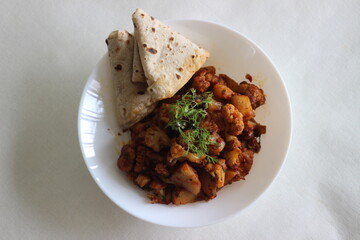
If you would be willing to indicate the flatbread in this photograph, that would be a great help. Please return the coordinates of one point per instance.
(133, 102)
(169, 59)
(138, 71)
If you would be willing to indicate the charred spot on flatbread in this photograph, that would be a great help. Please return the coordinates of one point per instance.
(152, 50)
(153, 29)
(177, 76)
(118, 67)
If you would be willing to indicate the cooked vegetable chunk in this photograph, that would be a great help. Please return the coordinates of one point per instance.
(182, 196)
(185, 176)
(232, 158)
(243, 104)
(230, 176)
(222, 92)
(142, 180)
(233, 118)
(127, 158)
(156, 138)
(255, 94)
(208, 184)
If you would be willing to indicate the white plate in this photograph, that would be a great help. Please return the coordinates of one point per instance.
(232, 54)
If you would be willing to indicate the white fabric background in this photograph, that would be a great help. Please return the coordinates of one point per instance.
(48, 49)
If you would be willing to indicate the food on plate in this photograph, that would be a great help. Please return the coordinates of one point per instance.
(168, 58)
(192, 131)
(197, 141)
(133, 102)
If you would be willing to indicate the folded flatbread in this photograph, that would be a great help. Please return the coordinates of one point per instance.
(133, 102)
(169, 59)
(138, 71)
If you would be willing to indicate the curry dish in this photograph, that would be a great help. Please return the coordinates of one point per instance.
(196, 142)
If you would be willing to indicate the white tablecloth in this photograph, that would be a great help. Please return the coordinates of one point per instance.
(47, 50)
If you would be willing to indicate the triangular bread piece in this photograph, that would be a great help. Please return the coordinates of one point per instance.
(133, 102)
(138, 71)
(169, 59)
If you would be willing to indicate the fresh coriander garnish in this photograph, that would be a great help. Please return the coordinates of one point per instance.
(186, 115)
(212, 159)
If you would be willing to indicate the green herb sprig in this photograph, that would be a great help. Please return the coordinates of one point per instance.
(186, 115)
